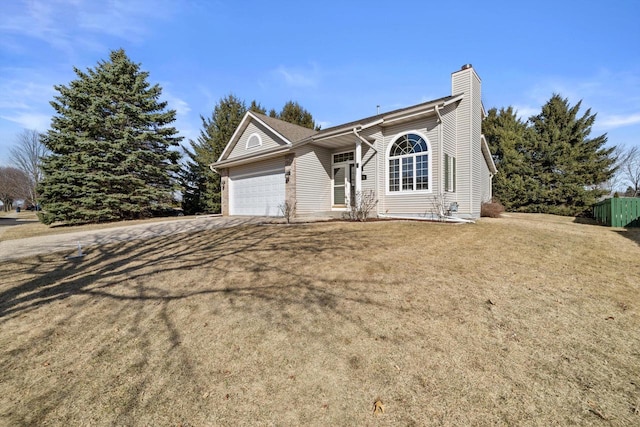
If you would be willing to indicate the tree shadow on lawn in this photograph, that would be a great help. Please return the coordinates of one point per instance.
(107, 266)
(631, 233)
(246, 262)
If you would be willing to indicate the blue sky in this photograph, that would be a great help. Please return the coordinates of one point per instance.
(338, 59)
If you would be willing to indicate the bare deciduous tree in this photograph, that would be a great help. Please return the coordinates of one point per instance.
(631, 169)
(14, 184)
(27, 156)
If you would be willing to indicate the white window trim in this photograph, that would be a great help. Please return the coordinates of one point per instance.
(257, 135)
(450, 177)
(342, 152)
(345, 163)
(429, 153)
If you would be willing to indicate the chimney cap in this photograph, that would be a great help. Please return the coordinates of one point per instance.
(466, 66)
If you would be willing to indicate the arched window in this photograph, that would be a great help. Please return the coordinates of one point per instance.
(409, 164)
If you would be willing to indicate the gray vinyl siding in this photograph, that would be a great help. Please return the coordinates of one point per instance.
(269, 140)
(371, 163)
(471, 181)
(313, 180)
(369, 169)
(450, 147)
(476, 143)
(409, 203)
(461, 83)
(449, 144)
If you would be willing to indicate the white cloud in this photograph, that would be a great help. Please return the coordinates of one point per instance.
(68, 24)
(616, 121)
(299, 77)
(613, 95)
(174, 103)
(37, 19)
(24, 93)
(324, 124)
(24, 98)
(122, 19)
(39, 122)
(526, 111)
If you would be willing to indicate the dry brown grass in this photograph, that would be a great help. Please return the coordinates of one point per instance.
(525, 320)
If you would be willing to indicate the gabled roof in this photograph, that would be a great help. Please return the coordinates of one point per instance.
(290, 131)
(294, 134)
(287, 132)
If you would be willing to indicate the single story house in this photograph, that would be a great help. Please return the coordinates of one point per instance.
(426, 160)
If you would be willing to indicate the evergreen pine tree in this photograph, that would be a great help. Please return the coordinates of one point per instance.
(549, 164)
(201, 184)
(110, 146)
(514, 185)
(567, 164)
(293, 112)
(257, 108)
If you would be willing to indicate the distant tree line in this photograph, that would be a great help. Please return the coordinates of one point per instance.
(20, 180)
(13, 186)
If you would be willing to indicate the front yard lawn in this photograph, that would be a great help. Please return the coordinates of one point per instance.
(525, 320)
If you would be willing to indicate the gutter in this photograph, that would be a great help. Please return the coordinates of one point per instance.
(372, 124)
(249, 158)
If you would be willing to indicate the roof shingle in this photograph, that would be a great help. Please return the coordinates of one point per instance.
(290, 131)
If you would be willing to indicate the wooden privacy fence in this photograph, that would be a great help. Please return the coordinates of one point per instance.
(618, 212)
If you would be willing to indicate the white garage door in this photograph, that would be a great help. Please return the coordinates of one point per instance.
(257, 189)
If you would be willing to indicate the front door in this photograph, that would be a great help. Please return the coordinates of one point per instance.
(343, 184)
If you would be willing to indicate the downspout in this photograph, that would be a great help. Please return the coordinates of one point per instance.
(491, 186)
(355, 132)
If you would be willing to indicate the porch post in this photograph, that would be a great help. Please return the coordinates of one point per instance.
(358, 172)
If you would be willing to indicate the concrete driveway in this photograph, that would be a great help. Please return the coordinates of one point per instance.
(67, 243)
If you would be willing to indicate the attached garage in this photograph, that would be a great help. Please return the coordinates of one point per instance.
(257, 189)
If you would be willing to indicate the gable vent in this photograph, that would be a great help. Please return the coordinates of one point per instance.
(254, 141)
